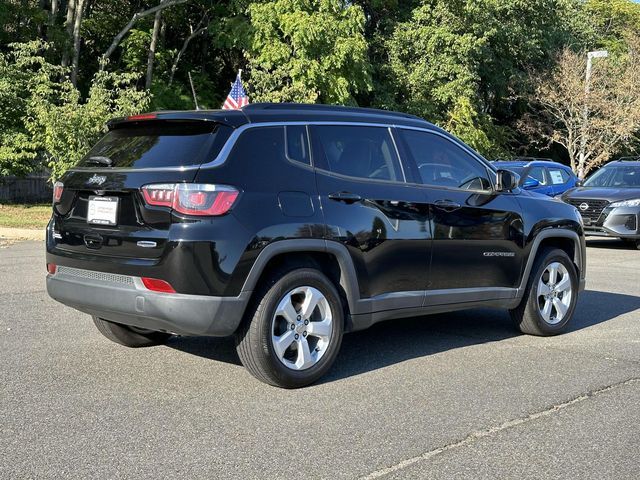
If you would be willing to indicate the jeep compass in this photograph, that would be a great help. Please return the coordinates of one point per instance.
(288, 225)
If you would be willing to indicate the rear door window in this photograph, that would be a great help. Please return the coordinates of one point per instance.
(558, 176)
(157, 144)
(356, 151)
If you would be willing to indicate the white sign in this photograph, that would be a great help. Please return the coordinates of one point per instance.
(556, 177)
(102, 210)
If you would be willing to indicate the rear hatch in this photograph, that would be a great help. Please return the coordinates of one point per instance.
(101, 210)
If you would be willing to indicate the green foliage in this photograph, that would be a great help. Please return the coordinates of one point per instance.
(434, 57)
(477, 130)
(457, 61)
(23, 73)
(463, 64)
(49, 115)
(612, 21)
(69, 127)
(304, 51)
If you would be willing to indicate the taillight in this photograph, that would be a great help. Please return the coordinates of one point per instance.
(157, 285)
(191, 198)
(159, 195)
(51, 268)
(142, 116)
(58, 188)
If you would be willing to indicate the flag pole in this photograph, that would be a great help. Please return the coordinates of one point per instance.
(193, 91)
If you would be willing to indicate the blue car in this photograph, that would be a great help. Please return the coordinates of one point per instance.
(541, 175)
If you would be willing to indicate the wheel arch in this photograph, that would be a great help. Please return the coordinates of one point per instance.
(564, 239)
(331, 258)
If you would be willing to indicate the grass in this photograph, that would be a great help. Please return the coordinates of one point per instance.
(25, 216)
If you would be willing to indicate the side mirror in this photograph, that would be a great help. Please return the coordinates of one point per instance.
(579, 183)
(506, 180)
(530, 182)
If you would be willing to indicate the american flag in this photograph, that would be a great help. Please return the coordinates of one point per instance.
(237, 97)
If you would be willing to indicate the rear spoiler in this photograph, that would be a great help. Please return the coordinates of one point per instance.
(231, 118)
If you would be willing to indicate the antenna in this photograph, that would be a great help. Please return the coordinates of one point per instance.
(193, 91)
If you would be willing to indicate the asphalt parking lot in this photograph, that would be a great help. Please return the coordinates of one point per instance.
(462, 395)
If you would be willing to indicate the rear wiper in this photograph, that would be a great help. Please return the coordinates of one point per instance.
(100, 160)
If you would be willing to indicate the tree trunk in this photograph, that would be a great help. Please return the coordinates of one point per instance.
(68, 24)
(174, 67)
(53, 12)
(42, 31)
(76, 41)
(152, 49)
(137, 16)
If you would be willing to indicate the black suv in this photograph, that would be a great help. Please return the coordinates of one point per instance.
(287, 225)
(609, 201)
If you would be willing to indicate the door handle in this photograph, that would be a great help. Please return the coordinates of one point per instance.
(447, 205)
(346, 197)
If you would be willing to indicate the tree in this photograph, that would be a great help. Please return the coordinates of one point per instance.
(606, 118)
(136, 16)
(152, 48)
(302, 51)
(77, 24)
(48, 117)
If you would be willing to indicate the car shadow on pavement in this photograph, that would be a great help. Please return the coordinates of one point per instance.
(396, 341)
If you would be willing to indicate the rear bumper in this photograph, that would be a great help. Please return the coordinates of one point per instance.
(124, 299)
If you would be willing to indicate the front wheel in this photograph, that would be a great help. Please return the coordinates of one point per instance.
(130, 336)
(292, 334)
(550, 298)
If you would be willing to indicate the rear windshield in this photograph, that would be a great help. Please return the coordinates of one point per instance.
(156, 144)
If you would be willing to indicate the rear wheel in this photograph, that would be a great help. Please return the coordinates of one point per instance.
(291, 336)
(130, 336)
(550, 298)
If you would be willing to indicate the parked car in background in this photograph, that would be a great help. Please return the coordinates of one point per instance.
(609, 201)
(541, 175)
(287, 225)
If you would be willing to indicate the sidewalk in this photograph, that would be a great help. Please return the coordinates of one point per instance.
(7, 233)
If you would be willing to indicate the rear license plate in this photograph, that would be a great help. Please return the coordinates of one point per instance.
(102, 210)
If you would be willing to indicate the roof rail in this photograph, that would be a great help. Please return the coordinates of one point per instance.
(321, 107)
(628, 159)
(534, 159)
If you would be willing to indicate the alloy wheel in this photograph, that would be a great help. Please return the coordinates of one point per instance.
(554, 293)
(301, 328)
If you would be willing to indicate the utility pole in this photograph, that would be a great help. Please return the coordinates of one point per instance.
(585, 113)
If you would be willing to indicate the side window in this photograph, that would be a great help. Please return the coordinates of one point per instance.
(538, 174)
(263, 144)
(558, 176)
(442, 163)
(297, 144)
(362, 152)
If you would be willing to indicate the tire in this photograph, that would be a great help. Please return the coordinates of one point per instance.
(638, 244)
(531, 316)
(130, 336)
(278, 318)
